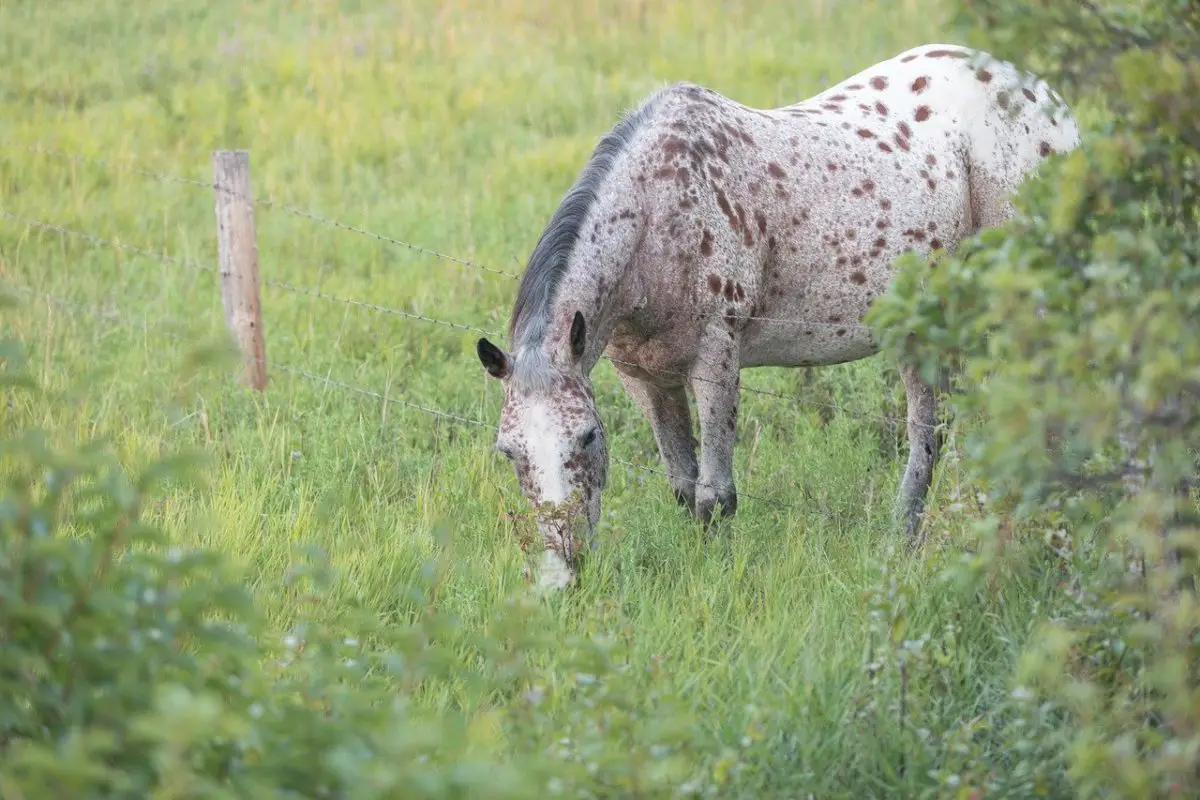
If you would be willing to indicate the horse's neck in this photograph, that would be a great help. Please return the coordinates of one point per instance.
(602, 299)
(598, 283)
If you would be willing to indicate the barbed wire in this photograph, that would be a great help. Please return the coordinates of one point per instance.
(284, 285)
(305, 214)
(374, 307)
(109, 164)
(268, 202)
(98, 240)
(109, 314)
(192, 264)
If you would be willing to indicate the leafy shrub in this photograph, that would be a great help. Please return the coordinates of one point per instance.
(1075, 329)
(133, 668)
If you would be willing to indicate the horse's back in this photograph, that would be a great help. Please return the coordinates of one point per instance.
(798, 212)
(1005, 120)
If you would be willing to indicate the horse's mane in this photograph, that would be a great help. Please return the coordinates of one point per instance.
(551, 257)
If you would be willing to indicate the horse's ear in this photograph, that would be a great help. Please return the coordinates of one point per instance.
(493, 359)
(578, 335)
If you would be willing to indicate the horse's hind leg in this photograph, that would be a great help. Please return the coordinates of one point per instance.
(922, 450)
(671, 420)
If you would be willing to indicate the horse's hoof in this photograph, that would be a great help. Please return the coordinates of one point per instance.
(686, 498)
(706, 507)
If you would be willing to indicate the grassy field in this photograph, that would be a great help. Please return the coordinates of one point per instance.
(459, 128)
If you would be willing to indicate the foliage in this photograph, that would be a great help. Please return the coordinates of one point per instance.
(132, 667)
(1075, 330)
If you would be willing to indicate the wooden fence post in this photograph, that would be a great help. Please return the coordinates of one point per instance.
(237, 251)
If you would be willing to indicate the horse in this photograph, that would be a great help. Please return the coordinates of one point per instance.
(704, 236)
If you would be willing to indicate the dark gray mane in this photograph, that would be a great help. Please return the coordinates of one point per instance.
(550, 258)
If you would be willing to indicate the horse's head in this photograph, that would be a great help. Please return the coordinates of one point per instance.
(550, 431)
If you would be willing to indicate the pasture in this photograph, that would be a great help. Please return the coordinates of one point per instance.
(458, 128)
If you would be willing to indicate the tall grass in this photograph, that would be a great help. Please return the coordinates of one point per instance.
(458, 126)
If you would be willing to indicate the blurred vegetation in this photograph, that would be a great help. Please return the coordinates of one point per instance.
(132, 668)
(1075, 328)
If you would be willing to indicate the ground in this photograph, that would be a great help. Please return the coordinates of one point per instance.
(458, 129)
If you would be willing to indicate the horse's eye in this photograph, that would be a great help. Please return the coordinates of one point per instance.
(590, 437)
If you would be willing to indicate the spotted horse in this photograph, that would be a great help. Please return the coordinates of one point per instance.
(703, 237)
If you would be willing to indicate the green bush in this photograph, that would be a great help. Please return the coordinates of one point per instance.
(1075, 328)
(133, 668)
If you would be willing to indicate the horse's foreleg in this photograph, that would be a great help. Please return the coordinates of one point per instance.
(671, 420)
(922, 450)
(714, 380)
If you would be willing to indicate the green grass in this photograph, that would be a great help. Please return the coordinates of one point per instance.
(458, 129)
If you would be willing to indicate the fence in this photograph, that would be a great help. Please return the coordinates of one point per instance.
(240, 280)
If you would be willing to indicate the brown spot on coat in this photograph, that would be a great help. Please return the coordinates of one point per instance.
(922, 113)
(945, 54)
(879, 82)
(761, 221)
(726, 209)
(714, 284)
(885, 147)
(983, 76)
(858, 278)
(747, 236)
(1044, 149)
(881, 109)
(1002, 100)
(1030, 96)
(865, 134)
(776, 170)
(706, 249)
(920, 84)
(931, 159)
(673, 146)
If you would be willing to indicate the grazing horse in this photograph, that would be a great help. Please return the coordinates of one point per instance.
(704, 237)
